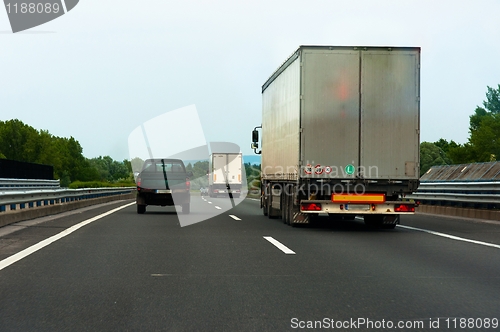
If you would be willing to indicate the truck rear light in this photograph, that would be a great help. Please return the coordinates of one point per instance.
(373, 206)
(310, 207)
(341, 206)
(138, 181)
(188, 184)
(404, 208)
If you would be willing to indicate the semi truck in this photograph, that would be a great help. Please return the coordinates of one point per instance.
(340, 135)
(225, 174)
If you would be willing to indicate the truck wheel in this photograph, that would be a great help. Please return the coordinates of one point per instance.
(185, 208)
(374, 220)
(284, 208)
(141, 209)
(264, 206)
(269, 212)
(377, 221)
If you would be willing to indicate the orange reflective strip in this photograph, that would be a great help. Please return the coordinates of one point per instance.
(361, 198)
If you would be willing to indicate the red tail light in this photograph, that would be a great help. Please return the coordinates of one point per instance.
(404, 208)
(188, 184)
(310, 207)
(138, 181)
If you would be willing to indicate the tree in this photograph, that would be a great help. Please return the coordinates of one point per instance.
(110, 170)
(486, 138)
(253, 175)
(21, 142)
(485, 128)
(492, 102)
(445, 145)
(18, 141)
(461, 154)
(431, 155)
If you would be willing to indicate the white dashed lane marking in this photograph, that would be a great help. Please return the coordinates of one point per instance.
(279, 245)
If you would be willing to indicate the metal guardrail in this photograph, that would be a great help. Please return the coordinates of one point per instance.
(27, 184)
(14, 200)
(477, 194)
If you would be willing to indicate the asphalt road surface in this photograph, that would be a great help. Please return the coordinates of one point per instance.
(240, 271)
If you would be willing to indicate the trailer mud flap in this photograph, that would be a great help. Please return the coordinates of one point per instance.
(391, 219)
(300, 218)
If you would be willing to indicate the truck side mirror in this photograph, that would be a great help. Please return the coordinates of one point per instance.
(255, 136)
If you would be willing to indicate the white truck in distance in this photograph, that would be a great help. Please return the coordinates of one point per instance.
(340, 134)
(225, 174)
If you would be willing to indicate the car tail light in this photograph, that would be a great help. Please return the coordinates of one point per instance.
(310, 207)
(404, 208)
(188, 184)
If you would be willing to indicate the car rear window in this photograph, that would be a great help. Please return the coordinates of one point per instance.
(157, 166)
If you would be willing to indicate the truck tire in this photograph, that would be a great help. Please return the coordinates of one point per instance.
(373, 220)
(264, 206)
(185, 208)
(269, 213)
(377, 221)
(141, 209)
(284, 208)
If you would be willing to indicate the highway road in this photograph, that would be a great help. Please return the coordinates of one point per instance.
(240, 271)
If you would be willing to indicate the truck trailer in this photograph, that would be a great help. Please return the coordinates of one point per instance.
(340, 134)
(225, 174)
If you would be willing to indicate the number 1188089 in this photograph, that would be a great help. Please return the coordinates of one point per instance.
(32, 8)
(471, 323)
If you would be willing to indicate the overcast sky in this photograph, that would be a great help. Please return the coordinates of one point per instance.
(105, 67)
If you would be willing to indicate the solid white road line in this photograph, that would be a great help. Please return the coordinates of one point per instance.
(217, 207)
(28, 251)
(452, 237)
(279, 245)
(234, 217)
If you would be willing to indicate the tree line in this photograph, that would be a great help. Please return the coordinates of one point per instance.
(21, 142)
(483, 144)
